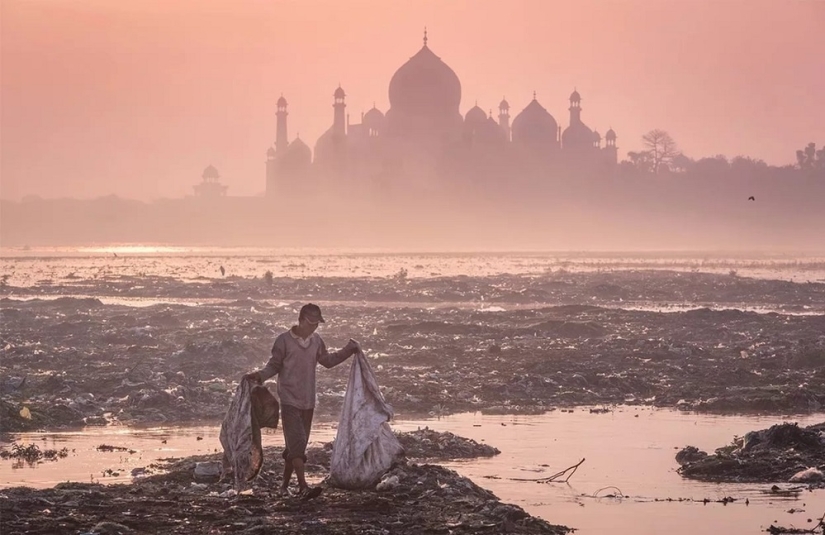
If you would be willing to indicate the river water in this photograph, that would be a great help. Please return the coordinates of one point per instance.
(24, 267)
(631, 450)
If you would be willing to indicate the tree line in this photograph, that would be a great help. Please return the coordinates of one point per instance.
(661, 155)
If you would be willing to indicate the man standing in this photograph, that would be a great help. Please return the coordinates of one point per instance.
(295, 355)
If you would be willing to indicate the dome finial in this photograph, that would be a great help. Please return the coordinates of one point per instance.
(425, 36)
(534, 95)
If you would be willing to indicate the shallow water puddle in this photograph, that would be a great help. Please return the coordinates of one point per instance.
(631, 449)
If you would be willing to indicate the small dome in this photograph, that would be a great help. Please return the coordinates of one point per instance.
(282, 101)
(535, 125)
(324, 145)
(491, 132)
(270, 152)
(329, 145)
(577, 135)
(211, 172)
(475, 116)
(597, 136)
(575, 97)
(610, 135)
(339, 93)
(298, 154)
(374, 116)
(504, 105)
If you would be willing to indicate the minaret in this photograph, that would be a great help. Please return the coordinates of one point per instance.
(504, 117)
(271, 171)
(610, 147)
(281, 137)
(339, 127)
(575, 107)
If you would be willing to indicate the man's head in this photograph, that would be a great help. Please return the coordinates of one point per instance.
(309, 318)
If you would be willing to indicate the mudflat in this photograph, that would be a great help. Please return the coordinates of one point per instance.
(503, 343)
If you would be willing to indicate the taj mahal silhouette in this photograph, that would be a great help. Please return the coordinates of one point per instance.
(424, 137)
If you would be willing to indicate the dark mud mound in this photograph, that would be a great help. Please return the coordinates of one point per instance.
(564, 329)
(420, 445)
(412, 498)
(77, 302)
(784, 437)
(434, 328)
(431, 445)
(707, 314)
(770, 455)
(424, 499)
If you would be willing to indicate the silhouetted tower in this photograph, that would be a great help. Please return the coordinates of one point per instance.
(339, 128)
(610, 147)
(504, 117)
(281, 137)
(575, 108)
(271, 171)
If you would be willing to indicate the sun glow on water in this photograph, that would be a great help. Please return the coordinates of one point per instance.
(136, 249)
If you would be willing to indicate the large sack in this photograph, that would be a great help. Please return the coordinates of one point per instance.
(365, 446)
(252, 407)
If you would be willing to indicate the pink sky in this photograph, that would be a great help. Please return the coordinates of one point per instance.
(136, 98)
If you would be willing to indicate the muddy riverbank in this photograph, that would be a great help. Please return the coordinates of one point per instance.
(419, 498)
(503, 344)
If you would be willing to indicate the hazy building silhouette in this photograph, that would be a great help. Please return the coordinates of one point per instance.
(423, 136)
(210, 185)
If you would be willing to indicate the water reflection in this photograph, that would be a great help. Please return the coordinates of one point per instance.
(629, 454)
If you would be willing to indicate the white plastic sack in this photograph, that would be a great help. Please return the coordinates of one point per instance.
(365, 446)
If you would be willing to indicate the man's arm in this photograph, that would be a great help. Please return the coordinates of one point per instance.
(328, 360)
(275, 364)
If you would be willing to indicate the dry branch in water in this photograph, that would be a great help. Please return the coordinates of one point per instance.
(555, 477)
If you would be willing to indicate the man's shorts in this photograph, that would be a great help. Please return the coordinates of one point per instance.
(297, 424)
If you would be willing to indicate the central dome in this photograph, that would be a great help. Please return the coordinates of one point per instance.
(535, 126)
(425, 84)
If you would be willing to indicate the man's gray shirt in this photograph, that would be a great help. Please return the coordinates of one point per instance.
(294, 360)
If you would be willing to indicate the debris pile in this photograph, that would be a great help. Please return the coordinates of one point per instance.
(412, 498)
(31, 453)
(782, 453)
(433, 445)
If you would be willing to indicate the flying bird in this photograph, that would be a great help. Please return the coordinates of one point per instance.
(751, 198)
(223, 271)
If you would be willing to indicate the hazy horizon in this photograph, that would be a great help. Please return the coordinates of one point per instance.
(134, 100)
